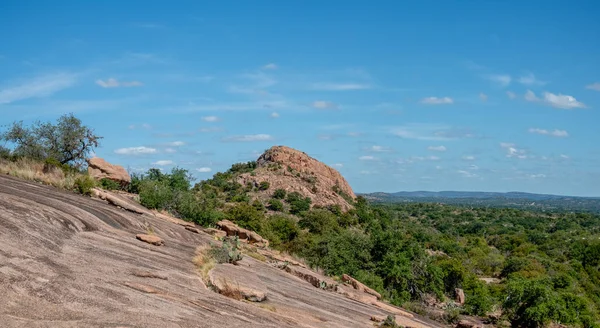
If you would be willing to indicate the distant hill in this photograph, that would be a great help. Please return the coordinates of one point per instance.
(521, 200)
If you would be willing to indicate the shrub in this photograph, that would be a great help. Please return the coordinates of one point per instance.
(264, 185)
(298, 204)
(247, 216)
(275, 205)
(280, 229)
(279, 194)
(84, 185)
(109, 184)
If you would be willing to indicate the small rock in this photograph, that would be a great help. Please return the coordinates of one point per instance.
(377, 319)
(150, 239)
(148, 274)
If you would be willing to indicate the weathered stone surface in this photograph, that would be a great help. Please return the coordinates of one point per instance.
(192, 229)
(150, 239)
(311, 277)
(466, 323)
(116, 200)
(460, 296)
(65, 260)
(360, 286)
(215, 232)
(99, 169)
(292, 170)
(229, 279)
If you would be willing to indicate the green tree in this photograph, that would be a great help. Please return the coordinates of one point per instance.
(68, 141)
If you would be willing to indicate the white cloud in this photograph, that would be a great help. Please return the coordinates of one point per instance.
(145, 126)
(436, 148)
(204, 169)
(530, 79)
(41, 86)
(379, 149)
(483, 96)
(270, 66)
(321, 104)
(557, 101)
(468, 158)
(511, 95)
(593, 86)
(136, 151)
(563, 156)
(562, 101)
(467, 174)
(163, 163)
(340, 86)
(437, 101)
(114, 83)
(337, 165)
(500, 79)
(210, 129)
(210, 119)
(274, 115)
(170, 150)
(249, 137)
(175, 144)
(537, 176)
(367, 158)
(512, 151)
(530, 96)
(554, 133)
(420, 131)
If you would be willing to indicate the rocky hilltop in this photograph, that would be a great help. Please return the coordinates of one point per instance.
(292, 170)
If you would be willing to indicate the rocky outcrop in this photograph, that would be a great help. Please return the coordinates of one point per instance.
(292, 170)
(150, 239)
(99, 169)
(238, 282)
(231, 229)
(360, 286)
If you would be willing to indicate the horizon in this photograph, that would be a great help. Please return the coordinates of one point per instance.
(422, 96)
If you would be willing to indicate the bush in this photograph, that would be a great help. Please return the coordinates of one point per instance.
(280, 230)
(109, 184)
(279, 194)
(275, 205)
(246, 216)
(84, 185)
(264, 185)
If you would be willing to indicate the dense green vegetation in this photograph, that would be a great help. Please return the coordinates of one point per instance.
(545, 265)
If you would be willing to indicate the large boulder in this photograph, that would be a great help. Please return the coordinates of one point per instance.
(99, 169)
(231, 229)
(238, 282)
(460, 296)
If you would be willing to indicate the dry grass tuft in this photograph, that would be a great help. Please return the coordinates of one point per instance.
(204, 262)
(32, 170)
(231, 291)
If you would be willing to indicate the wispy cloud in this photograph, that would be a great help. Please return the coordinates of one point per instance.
(175, 144)
(430, 132)
(483, 96)
(270, 66)
(530, 79)
(144, 126)
(436, 148)
(163, 163)
(437, 101)
(511, 95)
(338, 165)
(553, 133)
(322, 104)
(502, 80)
(367, 158)
(555, 100)
(210, 119)
(467, 174)
(274, 115)
(204, 169)
(114, 83)
(512, 151)
(593, 86)
(340, 86)
(379, 149)
(136, 151)
(468, 158)
(40, 86)
(249, 138)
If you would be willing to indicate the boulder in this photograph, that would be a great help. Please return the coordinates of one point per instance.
(150, 239)
(231, 229)
(311, 277)
(237, 282)
(360, 286)
(466, 323)
(192, 229)
(215, 232)
(99, 169)
(460, 296)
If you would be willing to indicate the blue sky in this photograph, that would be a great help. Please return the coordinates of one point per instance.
(401, 95)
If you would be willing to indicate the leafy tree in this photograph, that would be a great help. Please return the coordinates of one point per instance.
(67, 141)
